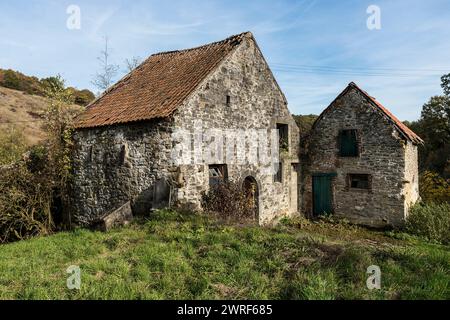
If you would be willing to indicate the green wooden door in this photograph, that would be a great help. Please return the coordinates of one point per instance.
(322, 198)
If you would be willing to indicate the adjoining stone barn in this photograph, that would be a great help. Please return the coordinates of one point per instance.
(130, 144)
(127, 141)
(361, 162)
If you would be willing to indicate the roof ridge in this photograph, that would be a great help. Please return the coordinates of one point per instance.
(233, 37)
(128, 75)
(120, 96)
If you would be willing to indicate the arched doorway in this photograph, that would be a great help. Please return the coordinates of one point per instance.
(251, 192)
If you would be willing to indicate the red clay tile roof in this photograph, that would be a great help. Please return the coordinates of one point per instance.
(407, 132)
(158, 86)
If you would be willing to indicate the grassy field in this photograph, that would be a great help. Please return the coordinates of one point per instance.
(186, 256)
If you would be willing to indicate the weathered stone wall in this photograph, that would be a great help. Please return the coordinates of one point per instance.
(116, 164)
(411, 182)
(255, 103)
(120, 163)
(382, 155)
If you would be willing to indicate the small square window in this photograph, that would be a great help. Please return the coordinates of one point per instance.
(359, 181)
(348, 143)
(217, 174)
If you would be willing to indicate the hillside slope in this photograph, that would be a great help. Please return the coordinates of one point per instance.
(23, 112)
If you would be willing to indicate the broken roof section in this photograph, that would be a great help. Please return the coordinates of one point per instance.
(403, 129)
(158, 86)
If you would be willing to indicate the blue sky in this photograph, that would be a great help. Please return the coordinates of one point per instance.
(315, 48)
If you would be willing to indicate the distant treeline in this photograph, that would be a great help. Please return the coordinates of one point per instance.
(32, 85)
(305, 122)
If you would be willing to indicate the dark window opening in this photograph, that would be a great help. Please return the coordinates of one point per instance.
(359, 181)
(278, 177)
(218, 173)
(228, 100)
(90, 151)
(123, 155)
(283, 134)
(348, 143)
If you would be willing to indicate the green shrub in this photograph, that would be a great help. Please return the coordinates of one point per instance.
(15, 80)
(83, 97)
(38, 158)
(11, 80)
(25, 203)
(18, 81)
(430, 221)
(12, 146)
(434, 188)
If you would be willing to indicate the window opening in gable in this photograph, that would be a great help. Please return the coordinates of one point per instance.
(283, 134)
(348, 143)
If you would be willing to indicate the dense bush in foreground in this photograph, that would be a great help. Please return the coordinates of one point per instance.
(25, 204)
(431, 221)
(34, 188)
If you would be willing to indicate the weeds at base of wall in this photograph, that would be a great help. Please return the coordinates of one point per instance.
(229, 201)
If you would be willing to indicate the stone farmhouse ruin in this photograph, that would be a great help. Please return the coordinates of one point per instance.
(144, 141)
(361, 162)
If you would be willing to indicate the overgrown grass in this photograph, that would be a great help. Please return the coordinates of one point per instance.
(187, 256)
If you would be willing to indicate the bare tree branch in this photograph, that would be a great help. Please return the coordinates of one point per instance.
(132, 63)
(105, 77)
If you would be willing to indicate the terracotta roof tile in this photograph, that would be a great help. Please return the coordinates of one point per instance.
(158, 86)
(400, 125)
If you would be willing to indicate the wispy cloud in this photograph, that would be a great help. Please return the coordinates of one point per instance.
(286, 19)
(156, 28)
(15, 44)
(98, 22)
(293, 32)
